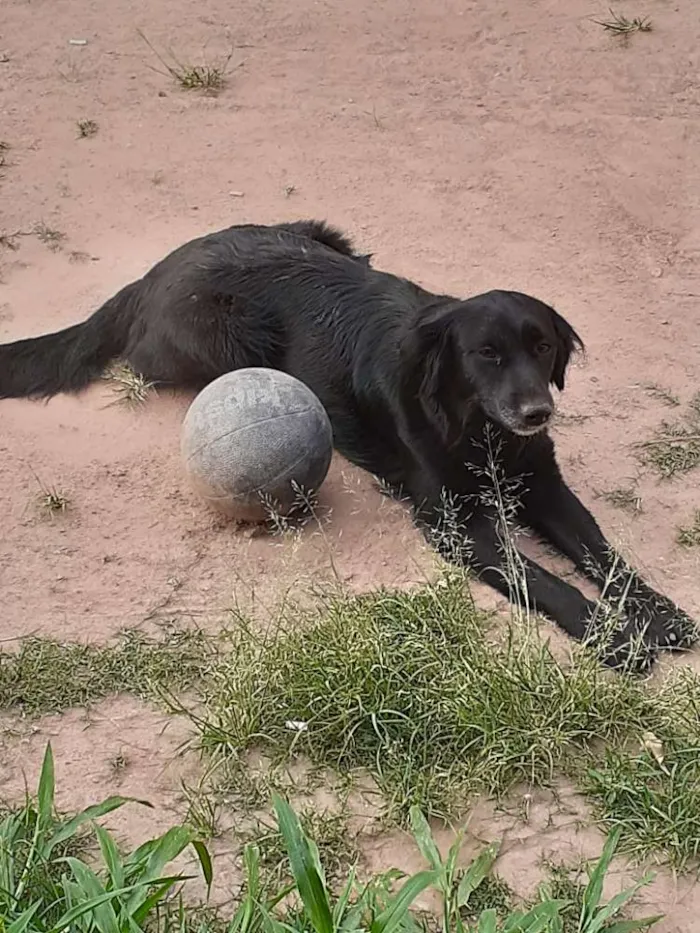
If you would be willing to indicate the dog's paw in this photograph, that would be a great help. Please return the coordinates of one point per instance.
(620, 644)
(628, 655)
(664, 625)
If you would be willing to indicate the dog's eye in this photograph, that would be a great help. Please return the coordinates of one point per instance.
(543, 348)
(488, 353)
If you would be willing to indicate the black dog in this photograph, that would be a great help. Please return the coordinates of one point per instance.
(422, 390)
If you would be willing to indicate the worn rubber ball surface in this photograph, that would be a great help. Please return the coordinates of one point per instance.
(252, 440)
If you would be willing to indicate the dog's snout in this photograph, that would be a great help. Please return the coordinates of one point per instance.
(537, 414)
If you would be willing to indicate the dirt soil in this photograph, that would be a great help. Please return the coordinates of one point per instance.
(468, 146)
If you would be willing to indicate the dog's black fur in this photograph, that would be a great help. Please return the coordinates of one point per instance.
(418, 386)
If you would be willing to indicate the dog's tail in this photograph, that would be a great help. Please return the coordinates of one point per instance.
(70, 359)
(330, 236)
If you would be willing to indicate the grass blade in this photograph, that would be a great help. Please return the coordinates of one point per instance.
(537, 920)
(70, 827)
(341, 904)
(632, 926)
(111, 857)
(91, 888)
(47, 783)
(487, 922)
(594, 888)
(475, 874)
(599, 923)
(303, 864)
(80, 910)
(161, 888)
(204, 862)
(21, 924)
(396, 913)
(424, 838)
(166, 848)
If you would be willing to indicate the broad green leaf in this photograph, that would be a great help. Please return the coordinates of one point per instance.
(632, 926)
(537, 920)
(161, 888)
(487, 922)
(21, 924)
(79, 910)
(313, 849)
(303, 864)
(68, 829)
(452, 856)
(594, 889)
(251, 865)
(352, 920)
(424, 838)
(91, 888)
(47, 785)
(110, 854)
(205, 862)
(396, 912)
(475, 874)
(598, 922)
(167, 847)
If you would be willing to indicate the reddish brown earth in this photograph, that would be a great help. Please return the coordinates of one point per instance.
(466, 145)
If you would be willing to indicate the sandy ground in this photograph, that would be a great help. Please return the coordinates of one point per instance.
(468, 146)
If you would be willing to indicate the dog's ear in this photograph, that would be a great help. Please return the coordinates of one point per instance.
(567, 341)
(428, 356)
(436, 343)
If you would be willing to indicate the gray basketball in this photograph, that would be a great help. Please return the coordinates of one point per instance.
(252, 440)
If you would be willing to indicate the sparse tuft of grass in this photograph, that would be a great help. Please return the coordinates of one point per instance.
(131, 388)
(204, 77)
(492, 894)
(675, 446)
(50, 237)
(87, 128)
(329, 831)
(689, 536)
(674, 449)
(52, 501)
(661, 394)
(620, 25)
(656, 803)
(625, 498)
(45, 676)
(118, 765)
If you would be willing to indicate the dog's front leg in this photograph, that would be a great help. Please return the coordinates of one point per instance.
(555, 512)
(472, 540)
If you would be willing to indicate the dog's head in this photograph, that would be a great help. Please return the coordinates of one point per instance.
(500, 352)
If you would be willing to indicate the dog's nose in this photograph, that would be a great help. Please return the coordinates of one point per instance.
(536, 415)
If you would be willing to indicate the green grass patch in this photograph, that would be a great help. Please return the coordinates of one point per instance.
(46, 887)
(675, 446)
(419, 688)
(655, 803)
(689, 535)
(45, 676)
(330, 833)
(432, 699)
